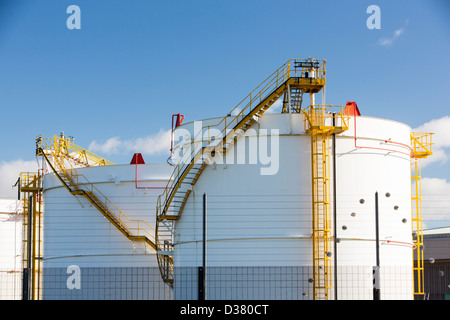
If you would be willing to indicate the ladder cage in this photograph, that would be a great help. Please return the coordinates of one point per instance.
(421, 148)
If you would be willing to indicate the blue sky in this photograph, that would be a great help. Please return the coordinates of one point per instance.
(135, 63)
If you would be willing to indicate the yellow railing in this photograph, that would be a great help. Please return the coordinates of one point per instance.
(30, 181)
(307, 74)
(124, 221)
(62, 146)
(421, 143)
(66, 158)
(227, 125)
(325, 118)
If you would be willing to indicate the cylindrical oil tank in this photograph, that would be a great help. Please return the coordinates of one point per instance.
(85, 256)
(258, 238)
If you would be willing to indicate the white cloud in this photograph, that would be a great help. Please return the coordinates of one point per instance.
(390, 40)
(158, 143)
(436, 191)
(9, 173)
(276, 106)
(435, 202)
(435, 186)
(441, 139)
(111, 146)
(235, 112)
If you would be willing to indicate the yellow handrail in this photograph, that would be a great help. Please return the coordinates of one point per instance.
(309, 74)
(320, 117)
(30, 181)
(421, 143)
(281, 75)
(61, 149)
(120, 216)
(62, 146)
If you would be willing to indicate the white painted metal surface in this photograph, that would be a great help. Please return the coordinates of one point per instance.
(264, 220)
(77, 234)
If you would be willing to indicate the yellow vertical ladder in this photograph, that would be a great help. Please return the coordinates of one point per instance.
(296, 76)
(321, 231)
(421, 148)
(320, 123)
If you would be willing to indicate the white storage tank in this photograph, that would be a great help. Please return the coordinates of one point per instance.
(259, 220)
(85, 256)
(11, 229)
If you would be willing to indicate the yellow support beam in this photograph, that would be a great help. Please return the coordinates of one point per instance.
(30, 187)
(64, 157)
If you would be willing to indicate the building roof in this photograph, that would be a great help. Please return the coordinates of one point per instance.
(434, 231)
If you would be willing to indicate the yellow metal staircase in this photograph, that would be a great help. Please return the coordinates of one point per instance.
(320, 123)
(303, 76)
(64, 157)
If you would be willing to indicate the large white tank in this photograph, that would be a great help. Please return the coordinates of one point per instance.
(259, 221)
(11, 224)
(86, 256)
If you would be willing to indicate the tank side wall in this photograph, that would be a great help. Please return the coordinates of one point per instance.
(85, 255)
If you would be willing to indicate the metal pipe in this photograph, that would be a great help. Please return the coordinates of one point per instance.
(202, 269)
(204, 231)
(204, 245)
(334, 209)
(376, 270)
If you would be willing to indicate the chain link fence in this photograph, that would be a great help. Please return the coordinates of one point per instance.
(225, 283)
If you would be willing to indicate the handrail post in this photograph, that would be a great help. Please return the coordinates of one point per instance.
(288, 69)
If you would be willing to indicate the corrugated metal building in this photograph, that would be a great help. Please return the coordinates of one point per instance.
(437, 264)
